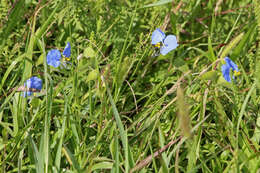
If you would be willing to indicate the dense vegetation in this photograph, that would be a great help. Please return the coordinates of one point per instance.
(116, 104)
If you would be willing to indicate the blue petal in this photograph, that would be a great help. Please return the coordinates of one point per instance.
(53, 57)
(157, 36)
(225, 68)
(169, 43)
(67, 50)
(34, 83)
(231, 64)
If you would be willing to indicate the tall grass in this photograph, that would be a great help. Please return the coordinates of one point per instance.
(116, 107)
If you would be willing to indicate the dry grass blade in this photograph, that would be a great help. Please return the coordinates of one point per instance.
(148, 159)
(217, 6)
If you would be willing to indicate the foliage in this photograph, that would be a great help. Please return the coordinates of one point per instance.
(117, 106)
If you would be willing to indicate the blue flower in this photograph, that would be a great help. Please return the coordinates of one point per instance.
(34, 83)
(225, 68)
(67, 50)
(169, 43)
(53, 58)
(157, 36)
(165, 43)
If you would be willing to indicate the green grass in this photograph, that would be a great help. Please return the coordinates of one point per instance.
(117, 108)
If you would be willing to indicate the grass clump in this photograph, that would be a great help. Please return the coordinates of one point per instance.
(115, 103)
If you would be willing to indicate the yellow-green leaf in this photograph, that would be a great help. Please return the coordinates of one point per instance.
(40, 60)
(92, 75)
(231, 45)
(89, 52)
(210, 75)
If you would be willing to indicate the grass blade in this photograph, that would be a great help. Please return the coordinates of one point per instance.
(159, 3)
(122, 132)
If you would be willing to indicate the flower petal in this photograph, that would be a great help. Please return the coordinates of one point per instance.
(231, 64)
(169, 43)
(53, 58)
(67, 50)
(32, 83)
(225, 68)
(157, 36)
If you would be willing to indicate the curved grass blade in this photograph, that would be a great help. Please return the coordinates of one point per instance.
(159, 3)
(122, 132)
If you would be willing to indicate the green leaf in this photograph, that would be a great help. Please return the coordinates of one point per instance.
(237, 51)
(114, 149)
(43, 29)
(211, 56)
(89, 52)
(35, 102)
(10, 68)
(102, 165)
(159, 3)
(164, 160)
(92, 75)
(71, 159)
(223, 82)
(14, 18)
(37, 157)
(231, 45)
(210, 75)
(58, 154)
(122, 131)
(123, 71)
(257, 74)
(40, 60)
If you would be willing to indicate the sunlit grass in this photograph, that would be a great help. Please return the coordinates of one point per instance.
(117, 104)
